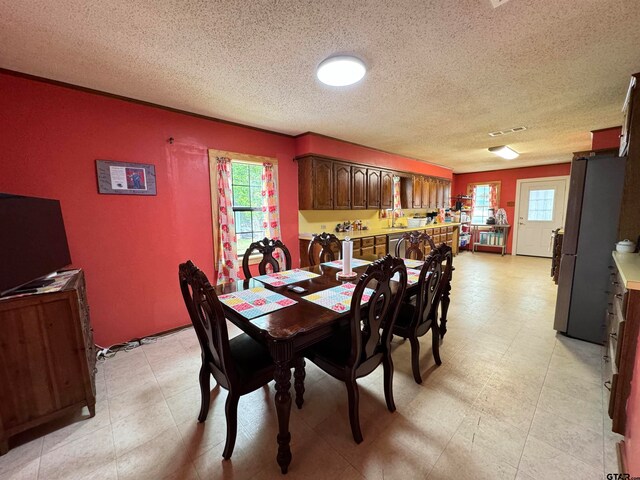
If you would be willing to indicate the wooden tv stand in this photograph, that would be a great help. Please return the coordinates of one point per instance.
(47, 358)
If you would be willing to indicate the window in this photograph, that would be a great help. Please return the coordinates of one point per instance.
(541, 205)
(481, 204)
(246, 188)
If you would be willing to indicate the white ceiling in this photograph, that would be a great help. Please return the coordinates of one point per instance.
(442, 74)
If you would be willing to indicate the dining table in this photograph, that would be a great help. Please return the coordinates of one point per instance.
(288, 331)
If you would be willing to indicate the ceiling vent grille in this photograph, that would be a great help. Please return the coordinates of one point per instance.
(507, 131)
(497, 3)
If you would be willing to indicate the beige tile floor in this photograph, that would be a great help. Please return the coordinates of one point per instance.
(511, 400)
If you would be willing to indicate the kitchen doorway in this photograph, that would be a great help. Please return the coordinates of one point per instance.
(541, 205)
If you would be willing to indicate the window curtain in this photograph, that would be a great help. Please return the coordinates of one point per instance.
(225, 255)
(471, 192)
(397, 204)
(271, 222)
(494, 190)
(494, 194)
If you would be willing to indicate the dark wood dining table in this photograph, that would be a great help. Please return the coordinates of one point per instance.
(287, 332)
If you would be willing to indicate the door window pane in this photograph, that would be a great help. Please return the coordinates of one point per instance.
(541, 205)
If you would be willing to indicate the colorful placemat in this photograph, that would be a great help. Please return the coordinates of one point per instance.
(355, 262)
(338, 298)
(256, 301)
(411, 263)
(286, 278)
(412, 276)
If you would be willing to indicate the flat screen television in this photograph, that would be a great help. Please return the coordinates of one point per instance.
(33, 241)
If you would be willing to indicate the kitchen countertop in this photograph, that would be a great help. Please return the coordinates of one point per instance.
(629, 268)
(380, 231)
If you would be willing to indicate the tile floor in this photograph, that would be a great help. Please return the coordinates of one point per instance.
(511, 401)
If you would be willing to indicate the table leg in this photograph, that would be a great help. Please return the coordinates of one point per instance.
(282, 376)
(298, 383)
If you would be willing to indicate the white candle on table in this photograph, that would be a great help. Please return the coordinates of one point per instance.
(347, 253)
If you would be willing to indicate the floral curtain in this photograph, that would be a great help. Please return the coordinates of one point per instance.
(397, 204)
(494, 190)
(271, 222)
(227, 254)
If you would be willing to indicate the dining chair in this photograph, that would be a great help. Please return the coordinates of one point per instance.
(267, 248)
(446, 255)
(360, 347)
(414, 241)
(240, 365)
(330, 248)
(418, 315)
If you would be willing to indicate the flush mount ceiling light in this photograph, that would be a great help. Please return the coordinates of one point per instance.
(341, 71)
(504, 152)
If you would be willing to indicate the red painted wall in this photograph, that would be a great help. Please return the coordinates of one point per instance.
(606, 138)
(129, 246)
(508, 180)
(313, 143)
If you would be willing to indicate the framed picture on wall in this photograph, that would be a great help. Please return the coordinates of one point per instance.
(126, 178)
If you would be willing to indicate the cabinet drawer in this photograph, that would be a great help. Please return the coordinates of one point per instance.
(367, 242)
(367, 250)
(380, 250)
(357, 244)
(449, 237)
(435, 231)
(381, 240)
(449, 229)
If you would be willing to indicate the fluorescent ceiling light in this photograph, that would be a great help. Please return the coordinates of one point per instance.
(504, 152)
(341, 71)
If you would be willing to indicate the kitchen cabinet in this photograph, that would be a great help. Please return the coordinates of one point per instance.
(439, 194)
(342, 182)
(358, 187)
(386, 189)
(373, 188)
(433, 194)
(426, 191)
(417, 191)
(315, 184)
(447, 193)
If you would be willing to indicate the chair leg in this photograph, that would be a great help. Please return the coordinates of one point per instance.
(354, 409)
(205, 392)
(415, 359)
(231, 411)
(299, 375)
(387, 365)
(435, 343)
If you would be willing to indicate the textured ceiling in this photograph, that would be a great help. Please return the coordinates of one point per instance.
(442, 74)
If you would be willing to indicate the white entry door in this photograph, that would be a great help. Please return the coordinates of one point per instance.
(541, 209)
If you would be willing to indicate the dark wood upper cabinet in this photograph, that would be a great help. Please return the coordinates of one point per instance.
(322, 175)
(358, 187)
(386, 189)
(433, 193)
(342, 186)
(406, 192)
(426, 190)
(373, 188)
(447, 193)
(417, 191)
(439, 194)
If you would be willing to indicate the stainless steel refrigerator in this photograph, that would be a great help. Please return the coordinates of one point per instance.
(593, 210)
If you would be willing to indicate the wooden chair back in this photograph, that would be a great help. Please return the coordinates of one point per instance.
(207, 317)
(413, 242)
(430, 284)
(266, 247)
(330, 248)
(372, 326)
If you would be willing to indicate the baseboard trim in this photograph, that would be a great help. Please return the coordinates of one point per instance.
(622, 457)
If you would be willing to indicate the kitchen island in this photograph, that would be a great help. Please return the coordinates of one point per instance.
(377, 241)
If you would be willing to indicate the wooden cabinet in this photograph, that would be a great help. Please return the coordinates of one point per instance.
(358, 187)
(439, 194)
(323, 184)
(342, 186)
(447, 193)
(386, 189)
(433, 194)
(622, 320)
(373, 188)
(47, 358)
(417, 191)
(426, 191)
(406, 192)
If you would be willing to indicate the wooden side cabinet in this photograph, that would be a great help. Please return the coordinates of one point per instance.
(47, 358)
(373, 188)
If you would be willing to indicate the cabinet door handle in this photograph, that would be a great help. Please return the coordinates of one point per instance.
(618, 295)
(607, 385)
(614, 335)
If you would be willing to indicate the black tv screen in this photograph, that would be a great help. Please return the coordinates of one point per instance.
(33, 242)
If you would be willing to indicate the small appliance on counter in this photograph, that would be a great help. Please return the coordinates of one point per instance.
(625, 246)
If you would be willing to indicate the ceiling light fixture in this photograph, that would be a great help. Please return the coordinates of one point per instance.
(504, 152)
(341, 71)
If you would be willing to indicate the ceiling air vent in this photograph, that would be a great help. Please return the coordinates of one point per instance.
(507, 131)
(497, 3)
